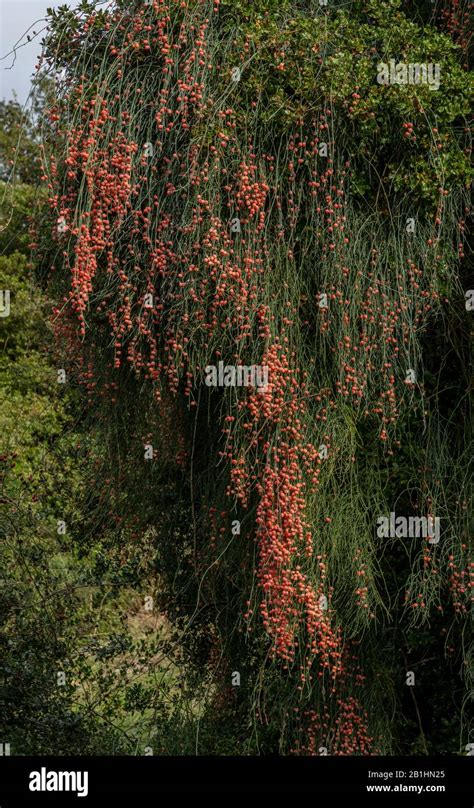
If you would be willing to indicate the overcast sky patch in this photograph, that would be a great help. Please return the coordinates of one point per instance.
(19, 18)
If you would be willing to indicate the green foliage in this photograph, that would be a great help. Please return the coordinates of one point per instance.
(16, 208)
(19, 154)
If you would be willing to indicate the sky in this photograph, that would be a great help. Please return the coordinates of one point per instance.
(16, 17)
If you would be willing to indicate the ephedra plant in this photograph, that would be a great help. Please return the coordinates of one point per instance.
(229, 183)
